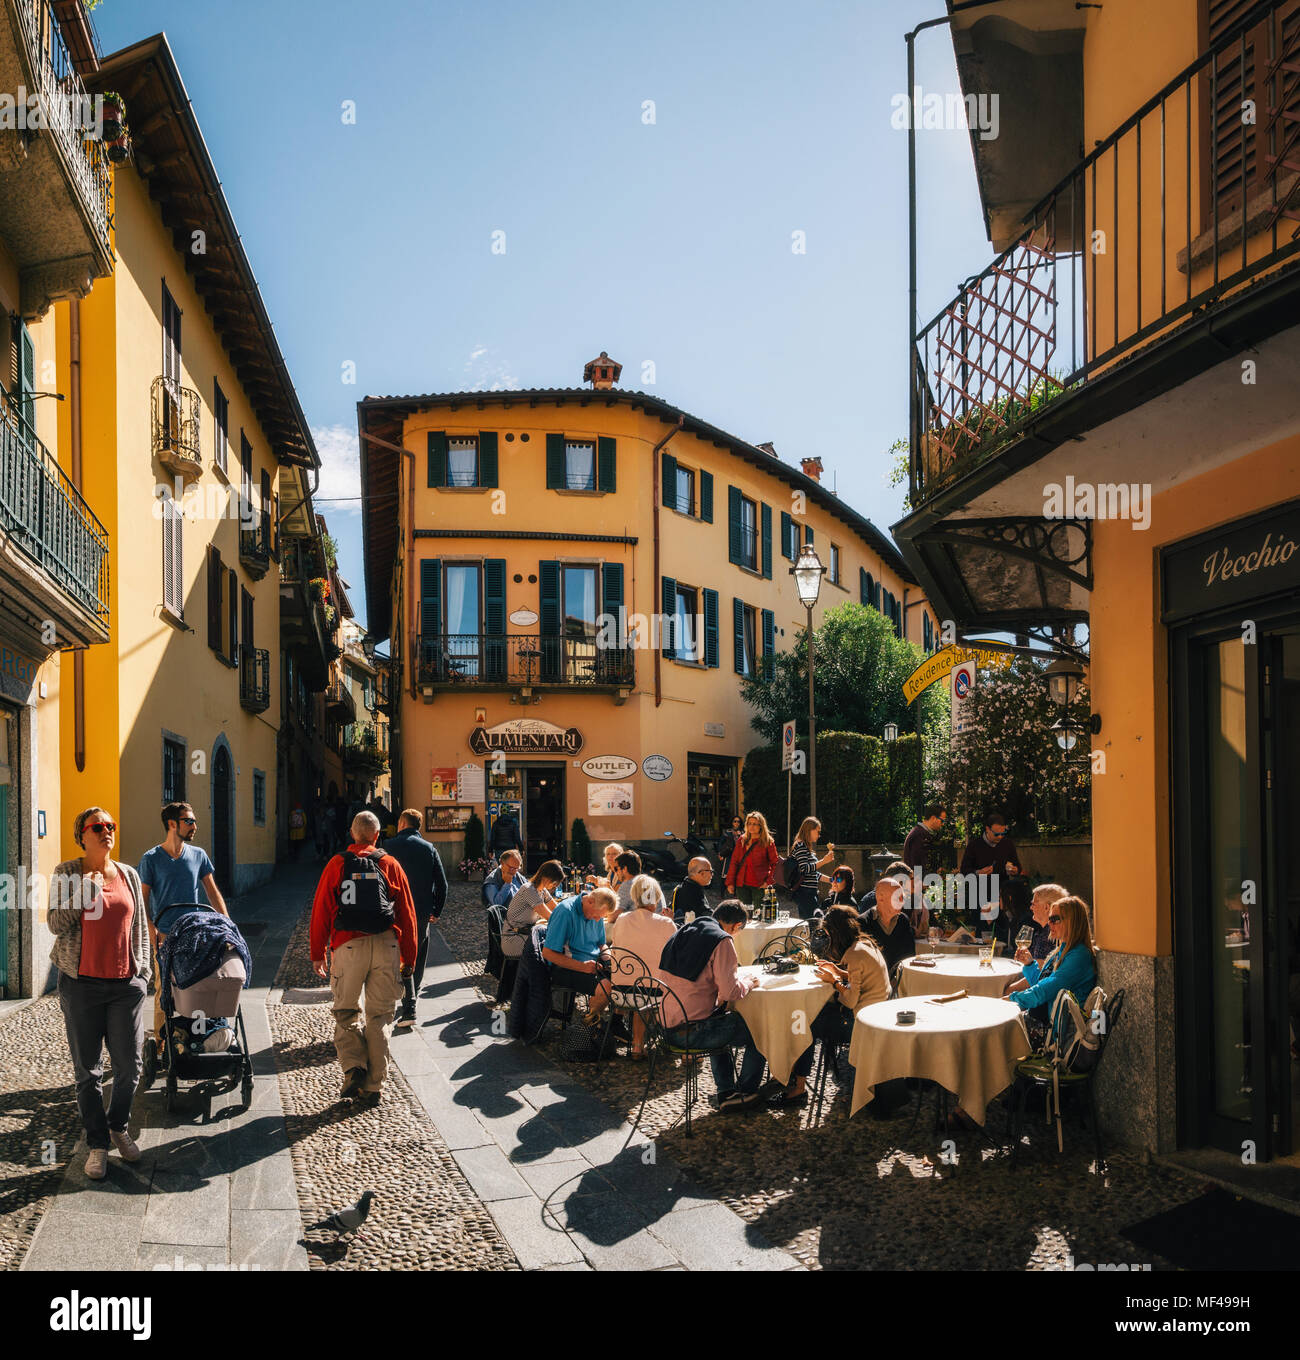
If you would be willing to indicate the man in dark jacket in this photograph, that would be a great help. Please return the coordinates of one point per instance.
(423, 867)
(505, 834)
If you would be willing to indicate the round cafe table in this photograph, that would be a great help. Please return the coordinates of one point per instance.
(750, 941)
(779, 1012)
(969, 1046)
(952, 972)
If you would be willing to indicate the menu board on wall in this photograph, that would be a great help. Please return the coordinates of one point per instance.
(469, 779)
(443, 789)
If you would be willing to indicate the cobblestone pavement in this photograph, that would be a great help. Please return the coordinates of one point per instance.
(425, 1215)
(38, 1121)
(864, 1194)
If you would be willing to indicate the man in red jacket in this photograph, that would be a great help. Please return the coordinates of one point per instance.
(363, 914)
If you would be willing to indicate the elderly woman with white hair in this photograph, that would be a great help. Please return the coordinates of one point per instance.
(101, 949)
(642, 930)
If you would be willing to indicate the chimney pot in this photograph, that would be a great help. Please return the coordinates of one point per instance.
(602, 372)
(812, 467)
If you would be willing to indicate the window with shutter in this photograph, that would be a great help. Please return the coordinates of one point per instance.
(246, 630)
(710, 628)
(548, 577)
(487, 458)
(494, 617)
(668, 617)
(232, 605)
(245, 472)
(216, 583)
(265, 513)
(616, 660)
(767, 542)
(172, 520)
(437, 464)
(171, 337)
(706, 496)
(787, 537)
(555, 463)
(26, 356)
(608, 454)
(220, 426)
(462, 461)
(738, 636)
(430, 609)
(668, 481)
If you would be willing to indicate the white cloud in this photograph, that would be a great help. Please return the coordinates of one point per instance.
(340, 470)
(486, 373)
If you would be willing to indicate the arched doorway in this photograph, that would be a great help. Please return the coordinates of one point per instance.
(222, 859)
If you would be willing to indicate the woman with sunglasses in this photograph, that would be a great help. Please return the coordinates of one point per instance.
(842, 884)
(1071, 965)
(101, 949)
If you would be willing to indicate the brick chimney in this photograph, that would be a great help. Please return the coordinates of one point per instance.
(603, 372)
(812, 467)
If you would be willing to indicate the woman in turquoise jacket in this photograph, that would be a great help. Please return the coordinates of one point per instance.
(1071, 966)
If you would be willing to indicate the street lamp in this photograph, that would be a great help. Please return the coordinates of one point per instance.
(891, 731)
(1063, 678)
(808, 572)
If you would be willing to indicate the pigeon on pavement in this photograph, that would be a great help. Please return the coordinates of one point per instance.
(347, 1220)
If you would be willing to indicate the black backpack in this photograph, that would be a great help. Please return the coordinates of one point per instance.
(365, 904)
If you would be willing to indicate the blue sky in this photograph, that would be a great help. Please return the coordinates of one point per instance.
(667, 242)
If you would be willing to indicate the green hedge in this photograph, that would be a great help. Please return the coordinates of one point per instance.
(866, 787)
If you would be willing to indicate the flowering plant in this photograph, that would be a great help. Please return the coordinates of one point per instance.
(477, 868)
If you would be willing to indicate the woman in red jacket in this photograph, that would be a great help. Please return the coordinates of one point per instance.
(753, 861)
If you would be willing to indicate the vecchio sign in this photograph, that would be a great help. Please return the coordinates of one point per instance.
(525, 736)
(1252, 559)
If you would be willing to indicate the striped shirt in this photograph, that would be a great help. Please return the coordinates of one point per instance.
(809, 874)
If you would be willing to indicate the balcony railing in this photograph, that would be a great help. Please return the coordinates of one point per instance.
(67, 107)
(339, 701)
(1118, 253)
(176, 426)
(362, 748)
(254, 551)
(46, 517)
(525, 660)
(255, 678)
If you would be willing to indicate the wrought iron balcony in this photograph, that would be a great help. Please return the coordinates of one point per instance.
(67, 111)
(1119, 256)
(176, 427)
(255, 678)
(526, 661)
(254, 552)
(362, 749)
(45, 517)
(339, 702)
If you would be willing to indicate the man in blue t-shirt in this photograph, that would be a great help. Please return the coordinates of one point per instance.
(572, 943)
(172, 873)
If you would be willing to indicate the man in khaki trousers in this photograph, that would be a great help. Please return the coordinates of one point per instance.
(364, 917)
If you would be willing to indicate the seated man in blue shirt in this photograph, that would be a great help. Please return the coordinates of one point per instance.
(504, 881)
(568, 950)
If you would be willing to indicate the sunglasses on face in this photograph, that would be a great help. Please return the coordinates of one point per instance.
(189, 821)
(102, 827)
(997, 835)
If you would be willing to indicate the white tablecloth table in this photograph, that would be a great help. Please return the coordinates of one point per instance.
(779, 1013)
(750, 941)
(969, 1046)
(926, 946)
(955, 971)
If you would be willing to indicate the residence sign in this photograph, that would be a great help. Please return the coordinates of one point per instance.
(938, 666)
(609, 767)
(526, 736)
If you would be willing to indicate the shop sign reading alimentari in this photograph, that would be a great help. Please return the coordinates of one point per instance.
(525, 736)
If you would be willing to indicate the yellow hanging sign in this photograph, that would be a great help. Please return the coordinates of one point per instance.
(936, 667)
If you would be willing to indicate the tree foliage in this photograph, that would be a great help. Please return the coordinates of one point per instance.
(858, 673)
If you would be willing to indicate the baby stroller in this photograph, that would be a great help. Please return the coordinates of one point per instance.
(204, 1037)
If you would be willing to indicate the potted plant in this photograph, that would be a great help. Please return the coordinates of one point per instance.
(318, 587)
(116, 135)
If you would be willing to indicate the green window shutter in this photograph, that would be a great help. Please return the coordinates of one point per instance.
(612, 588)
(27, 377)
(863, 596)
(738, 632)
(668, 480)
(549, 575)
(767, 542)
(808, 535)
(607, 464)
(494, 618)
(555, 462)
(430, 606)
(494, 595)
(769, 642)
(706, 496)
(711, 628)
(734, 553)
(487, 458)
(437, 458)
(668, 613)
(787, 536)
(552, 643)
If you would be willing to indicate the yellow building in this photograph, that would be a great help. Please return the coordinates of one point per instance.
(1106, 432)
(526, 552)
(195, 439)
(55, 552)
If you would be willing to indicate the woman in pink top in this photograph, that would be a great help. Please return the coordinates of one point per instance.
(642, 931)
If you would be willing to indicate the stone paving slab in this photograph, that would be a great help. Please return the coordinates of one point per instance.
(549, 1158)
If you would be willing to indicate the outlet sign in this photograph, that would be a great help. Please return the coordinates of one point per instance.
(609, 767)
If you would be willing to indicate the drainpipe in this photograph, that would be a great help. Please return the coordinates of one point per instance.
(74, 414)
(655, 579)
